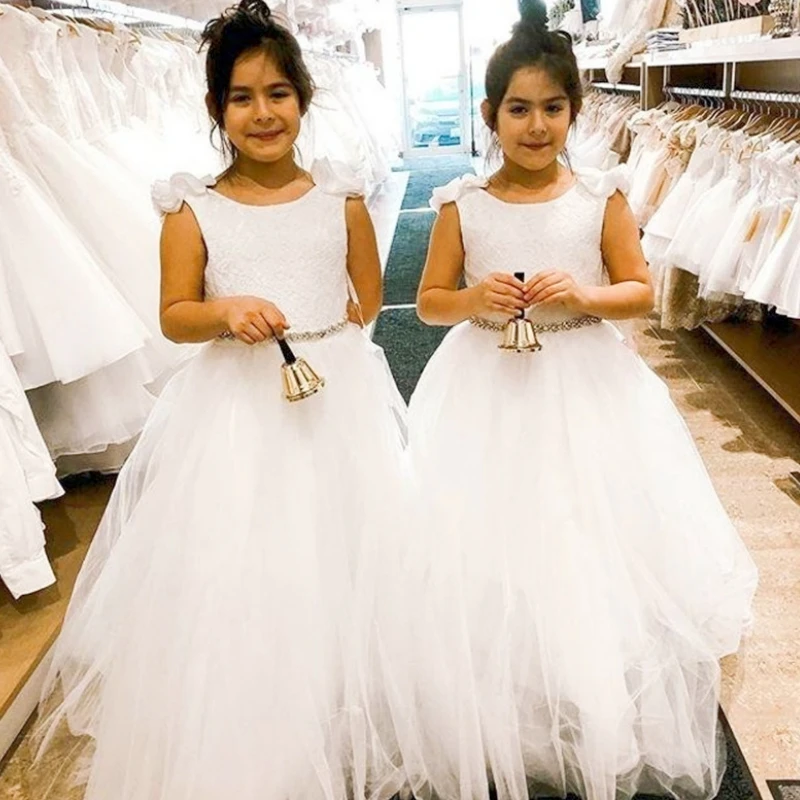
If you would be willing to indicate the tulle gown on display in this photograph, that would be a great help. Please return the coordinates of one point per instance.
(221, 640)
(580, 577)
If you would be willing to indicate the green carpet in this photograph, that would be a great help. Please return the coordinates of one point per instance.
(408, 344)
(407, 258)
(422, 183)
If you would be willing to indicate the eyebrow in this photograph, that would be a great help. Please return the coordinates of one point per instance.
(528, 102)
(277, 85)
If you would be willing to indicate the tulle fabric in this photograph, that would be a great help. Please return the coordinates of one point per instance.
(581, 578)
(223, 637)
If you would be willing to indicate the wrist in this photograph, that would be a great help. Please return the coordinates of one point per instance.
(471, 296)
(220, 313)
(586, 297)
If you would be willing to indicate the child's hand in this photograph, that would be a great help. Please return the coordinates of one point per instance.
(554, 288)
(499, 293)
(253, 319)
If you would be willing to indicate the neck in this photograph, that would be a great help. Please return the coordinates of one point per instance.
(513, 173)
(270, 175)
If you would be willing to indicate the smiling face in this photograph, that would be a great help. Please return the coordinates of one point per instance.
(262, 115)
(533, 119)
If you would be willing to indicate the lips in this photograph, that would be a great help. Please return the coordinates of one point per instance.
(266, 137)
(536, 147)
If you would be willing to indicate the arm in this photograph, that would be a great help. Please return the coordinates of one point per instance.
(363, 261)
(439, 300)
(185, 315)
(630, 293)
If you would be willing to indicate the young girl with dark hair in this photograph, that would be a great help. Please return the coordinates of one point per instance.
(583, 576)
(221, 640)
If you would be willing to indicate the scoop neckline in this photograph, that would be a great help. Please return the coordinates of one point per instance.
(567, 191)
(303, 196)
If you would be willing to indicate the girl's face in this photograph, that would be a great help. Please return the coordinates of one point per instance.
(533, 119)
(262, 118)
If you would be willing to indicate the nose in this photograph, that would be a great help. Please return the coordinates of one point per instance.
(538, 125)
(263, 111)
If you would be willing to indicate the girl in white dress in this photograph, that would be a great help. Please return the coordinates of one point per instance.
(221, 639)
(582, 575)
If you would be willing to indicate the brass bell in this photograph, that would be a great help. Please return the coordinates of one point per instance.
(520, 335)
(299, 379)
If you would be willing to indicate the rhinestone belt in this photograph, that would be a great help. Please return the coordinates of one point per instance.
(545, 327)
(302, 336)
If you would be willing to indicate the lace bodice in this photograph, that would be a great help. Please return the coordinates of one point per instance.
(563, 234)
(293, 254)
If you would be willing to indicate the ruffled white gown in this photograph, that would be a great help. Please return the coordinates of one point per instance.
(579, 575)
(221, 640)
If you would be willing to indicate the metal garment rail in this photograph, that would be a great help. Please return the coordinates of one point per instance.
(122, 11)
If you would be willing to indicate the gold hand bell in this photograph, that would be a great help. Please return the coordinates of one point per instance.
(299, 380)
(519, 335)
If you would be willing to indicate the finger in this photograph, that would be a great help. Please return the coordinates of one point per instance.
(243, 337)
(538, 278)
(276, 321)
(508, 290)
(251, 329)
(555, 297)
(546, 287)
(506, 300)
(261, 324)
(505, 307)
(509, 280)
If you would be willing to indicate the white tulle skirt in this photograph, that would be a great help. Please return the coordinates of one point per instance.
(580, 577)
(223, 637)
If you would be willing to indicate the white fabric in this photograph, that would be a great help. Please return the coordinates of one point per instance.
(229, 606)
(579, 576)
(27, 475)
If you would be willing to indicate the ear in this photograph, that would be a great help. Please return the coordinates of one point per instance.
(486, 113)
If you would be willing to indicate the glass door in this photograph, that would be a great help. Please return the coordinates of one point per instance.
(434, 78)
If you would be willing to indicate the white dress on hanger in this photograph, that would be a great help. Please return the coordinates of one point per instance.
(777, 282)
(27, 475)
(580, 573)
(44, 263)
(222, 637)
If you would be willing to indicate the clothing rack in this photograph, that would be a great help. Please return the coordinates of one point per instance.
(764, 80)
(617, 88)
(129, 15)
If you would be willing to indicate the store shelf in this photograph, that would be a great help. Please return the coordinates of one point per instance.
(763, 49)
(599, 62)
(618, 87)
(719, 52)
(771, 356)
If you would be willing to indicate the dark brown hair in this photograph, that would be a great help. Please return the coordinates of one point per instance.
(242, 28)
(533, 45)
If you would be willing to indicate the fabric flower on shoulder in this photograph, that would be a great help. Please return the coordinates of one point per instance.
(335, 177)
(168, 196)
(604, 183)
(456, 189)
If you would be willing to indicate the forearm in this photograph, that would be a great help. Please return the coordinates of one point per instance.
(623, 300)
(445, 306)
(192, 321)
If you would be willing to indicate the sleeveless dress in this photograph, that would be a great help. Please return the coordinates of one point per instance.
(221, 640)
(581, 576)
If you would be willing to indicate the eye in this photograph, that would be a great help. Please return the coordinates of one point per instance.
(280, 94)
(239, 98)
(518, 110)
(555, 108)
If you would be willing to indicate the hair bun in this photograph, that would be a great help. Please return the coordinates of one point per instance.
(255, 8)
(533, 16)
